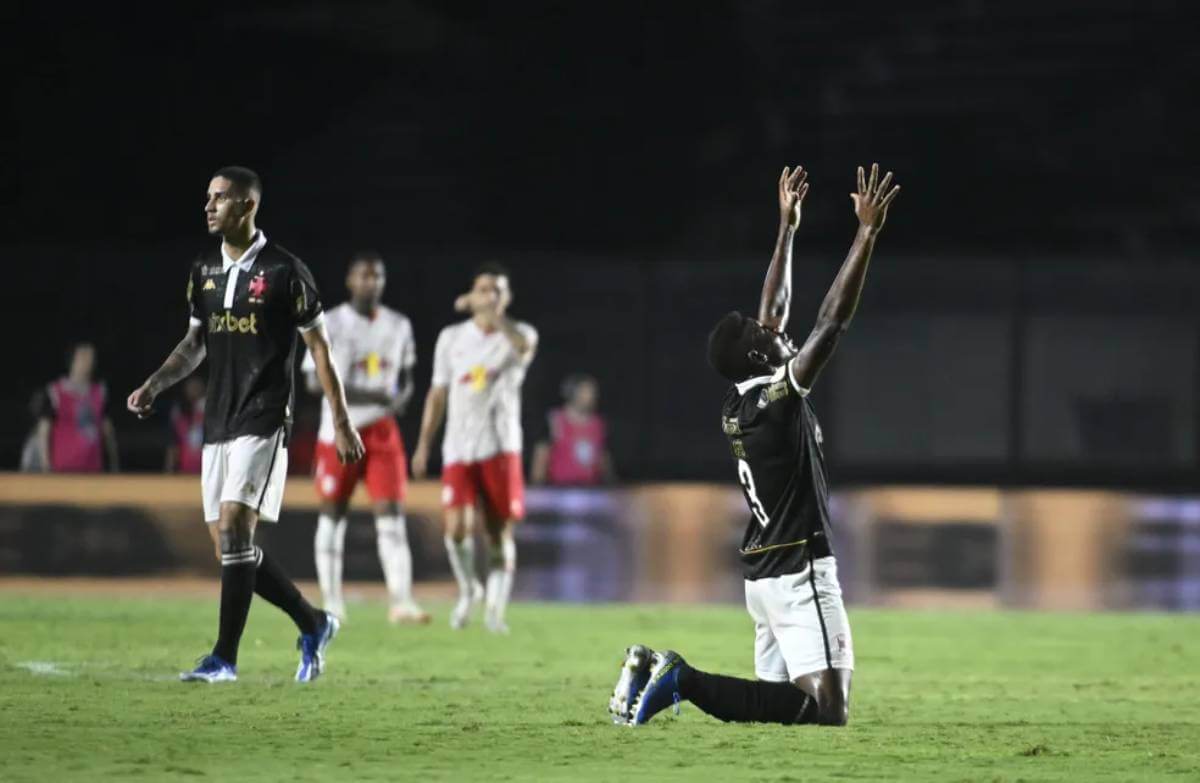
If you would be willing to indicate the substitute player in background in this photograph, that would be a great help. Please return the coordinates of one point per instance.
(247, 301)
(374, 352)
(478, 368)
(803, 654)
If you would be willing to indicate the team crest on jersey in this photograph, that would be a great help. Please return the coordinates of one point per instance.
(257, 288)
(209, 285)
(477, 377)
(731, 427)
(820, 434)
(373, 364)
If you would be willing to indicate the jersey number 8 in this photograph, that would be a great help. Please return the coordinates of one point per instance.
(756, 506)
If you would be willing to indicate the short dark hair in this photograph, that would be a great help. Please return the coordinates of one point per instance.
(493, 268)
(728, 353)
(245, 179)
(365, 256)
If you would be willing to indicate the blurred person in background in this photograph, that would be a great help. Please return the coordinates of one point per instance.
(803, 653)
(33, 452)
(374, 350)
(575, 453)
(184, 454)
(74, 432)
(478, 367)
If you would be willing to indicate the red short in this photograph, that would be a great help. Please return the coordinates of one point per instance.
(383, 466)
(498, 479)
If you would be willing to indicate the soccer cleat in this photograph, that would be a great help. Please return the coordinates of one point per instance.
(462, 610)
(408, 614)
(662, 690)
(211, 669)
(493, 622)
(635, 673)
(312, 649)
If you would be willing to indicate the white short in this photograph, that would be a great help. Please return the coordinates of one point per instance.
(800, 623)
(250, 470)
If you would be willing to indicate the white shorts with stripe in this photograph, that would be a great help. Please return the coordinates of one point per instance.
(800, 623)
(250, 470)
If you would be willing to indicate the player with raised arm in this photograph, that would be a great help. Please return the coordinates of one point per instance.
(247, 302)
(375, 353)
(802, 649)
(478, 367)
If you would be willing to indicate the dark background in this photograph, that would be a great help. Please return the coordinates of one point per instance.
(1030, 317)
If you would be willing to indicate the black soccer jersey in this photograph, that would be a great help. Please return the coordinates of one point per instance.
(250, 312)
(776, 444)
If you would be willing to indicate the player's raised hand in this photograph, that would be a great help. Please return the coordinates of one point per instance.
(793, 187)
(348, 443)
(141, 401)
(873, 198)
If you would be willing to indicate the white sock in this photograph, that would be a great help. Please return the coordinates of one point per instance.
(502, 566)
(391, 538)
(462, 563)
(327, 550)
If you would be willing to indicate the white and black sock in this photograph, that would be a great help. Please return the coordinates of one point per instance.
(238, 568)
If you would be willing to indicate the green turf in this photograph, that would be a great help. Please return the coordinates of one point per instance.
(938, 696)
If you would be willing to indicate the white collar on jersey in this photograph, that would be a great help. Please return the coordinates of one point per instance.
(761, 380)
(247, 260)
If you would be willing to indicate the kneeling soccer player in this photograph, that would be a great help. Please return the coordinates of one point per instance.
(802, 648)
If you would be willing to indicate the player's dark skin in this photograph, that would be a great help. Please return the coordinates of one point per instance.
(365, 281)
(771, 348)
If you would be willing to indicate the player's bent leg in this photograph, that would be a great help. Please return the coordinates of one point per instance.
(502, 567)
(830, 689)
(391, 537)
(328, 553)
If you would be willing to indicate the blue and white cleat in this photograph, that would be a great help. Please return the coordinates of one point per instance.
(662, 691)
(211, 669)
(635, 673)
(312, 649)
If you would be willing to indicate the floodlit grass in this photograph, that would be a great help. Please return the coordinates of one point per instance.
(88, 692)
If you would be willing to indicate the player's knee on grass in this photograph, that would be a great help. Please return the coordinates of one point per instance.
(831, 689)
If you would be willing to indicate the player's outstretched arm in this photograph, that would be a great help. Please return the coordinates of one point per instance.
(181, 363)
(871, 202)
(431, 422)
(346, 439)
(776, 302)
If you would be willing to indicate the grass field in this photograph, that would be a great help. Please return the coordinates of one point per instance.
(88, 692)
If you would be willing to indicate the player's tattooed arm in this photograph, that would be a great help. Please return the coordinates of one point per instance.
(431, 422)
(871, 202)
(776, 302)
(345, 438)
(181, 363)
